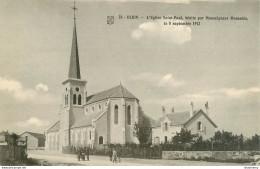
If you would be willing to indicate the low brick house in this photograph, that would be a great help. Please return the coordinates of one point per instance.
(34, 140)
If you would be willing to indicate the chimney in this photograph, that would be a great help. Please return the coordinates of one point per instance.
(207, 108)
(163, 110)
(172, 109)
(191, 109)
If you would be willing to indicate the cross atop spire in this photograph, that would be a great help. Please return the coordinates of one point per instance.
(74, 69)
(74, 9)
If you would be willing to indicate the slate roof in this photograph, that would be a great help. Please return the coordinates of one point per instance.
(74, 70)
(182, 118)
(37, 135)
(175, 118)
(152, 121)
(55, 127)
(201, 112)
(115, 92)
(87, 119)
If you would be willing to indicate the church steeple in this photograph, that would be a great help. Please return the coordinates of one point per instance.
(74, 69)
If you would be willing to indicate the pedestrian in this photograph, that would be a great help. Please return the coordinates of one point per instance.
(110, 153)
(114, 156)
(87, 153)
(119, 153)
(78, 154)
(83, 155)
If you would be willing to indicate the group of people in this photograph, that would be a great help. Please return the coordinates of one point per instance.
(114, 155)
(82, 153)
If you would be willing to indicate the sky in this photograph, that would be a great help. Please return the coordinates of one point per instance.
(169, 66)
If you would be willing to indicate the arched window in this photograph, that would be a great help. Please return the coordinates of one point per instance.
(128, 115)
(74, 99)
(116, 115)
(79, 99)
(100, 140)
(67, 99)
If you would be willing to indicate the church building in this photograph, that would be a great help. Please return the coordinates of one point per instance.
(92, 120)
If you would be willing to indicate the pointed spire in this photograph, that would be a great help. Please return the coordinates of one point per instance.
(74, 69)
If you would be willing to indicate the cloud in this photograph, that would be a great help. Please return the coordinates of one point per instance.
(167, 33)
(235, 93)
(169, 81)
(16, 89)
(159, 80)
(222, 94)
(33, 121)
(41, 87)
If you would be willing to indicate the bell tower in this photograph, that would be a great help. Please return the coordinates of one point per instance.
(74, 93)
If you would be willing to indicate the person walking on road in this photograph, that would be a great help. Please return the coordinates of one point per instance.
(82, 155)
(114, 156)
(87, 153)
(78, 154)
(110, 153)
(119, 153)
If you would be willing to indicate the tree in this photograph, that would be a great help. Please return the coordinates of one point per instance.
(227, 141)
(142, 128)
(253, 143)
(14, 137)
(184, 137)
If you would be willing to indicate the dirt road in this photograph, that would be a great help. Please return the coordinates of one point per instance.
(55, 157)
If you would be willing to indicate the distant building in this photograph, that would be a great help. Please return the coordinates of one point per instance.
(198, 122)
(34, 140)
(5, 138)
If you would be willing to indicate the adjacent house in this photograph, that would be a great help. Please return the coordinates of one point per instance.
(5, 138)
(198, 122)
(34, 140)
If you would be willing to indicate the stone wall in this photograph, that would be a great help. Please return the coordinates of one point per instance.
(219, 155)
(11, 152)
